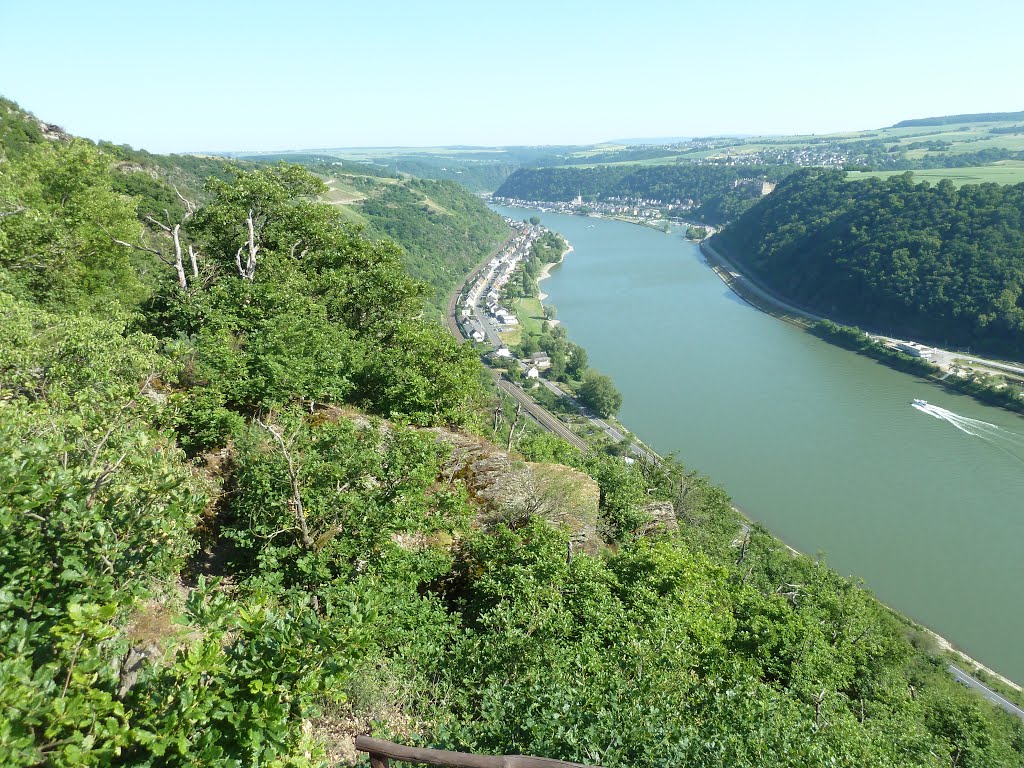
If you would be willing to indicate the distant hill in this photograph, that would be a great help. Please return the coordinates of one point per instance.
(980, 117)
(717, 191)
(929, 262)
(651, 140)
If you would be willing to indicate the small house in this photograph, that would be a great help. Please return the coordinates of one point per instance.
(541, 360)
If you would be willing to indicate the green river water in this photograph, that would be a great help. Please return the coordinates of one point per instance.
(820, 445)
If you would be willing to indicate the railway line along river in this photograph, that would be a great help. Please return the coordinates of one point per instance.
(822, 446)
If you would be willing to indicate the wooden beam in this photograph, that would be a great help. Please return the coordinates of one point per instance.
(381, 750)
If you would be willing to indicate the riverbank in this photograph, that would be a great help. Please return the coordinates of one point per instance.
(816, 421)
(947, 370)
(659, 224)
(545, 273)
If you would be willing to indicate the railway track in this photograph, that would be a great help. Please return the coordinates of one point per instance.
(542, 416)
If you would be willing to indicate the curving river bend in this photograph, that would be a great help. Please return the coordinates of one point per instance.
(820, 445)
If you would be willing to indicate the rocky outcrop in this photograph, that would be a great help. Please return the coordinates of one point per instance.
(53, 132)
(504, 487)
(661, 518)
(509, 490)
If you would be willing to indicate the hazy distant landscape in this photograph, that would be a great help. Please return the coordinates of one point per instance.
(988, 147)
(416, 420)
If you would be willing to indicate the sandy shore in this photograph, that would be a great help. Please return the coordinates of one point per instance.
(546, 272)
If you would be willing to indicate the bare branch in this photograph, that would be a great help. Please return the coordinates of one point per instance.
(179, 265)
(164, 227)
(190, 207)
(512, 429)
(143, 248)
(295, 503)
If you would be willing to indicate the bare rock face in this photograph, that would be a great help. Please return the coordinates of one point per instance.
(510, 490)
(53, 132)
(662, 518)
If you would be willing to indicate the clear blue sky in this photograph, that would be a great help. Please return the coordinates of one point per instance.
(222, 74)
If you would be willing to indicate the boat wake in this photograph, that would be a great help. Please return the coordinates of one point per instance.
(1005, 439)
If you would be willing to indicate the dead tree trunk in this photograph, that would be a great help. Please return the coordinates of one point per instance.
(248, 271)
(176, 258)
(512, 429)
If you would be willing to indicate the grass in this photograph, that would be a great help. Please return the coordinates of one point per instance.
(511, 338)
(1004, 172)
(353, 216)
(434, 205)
(530, 313)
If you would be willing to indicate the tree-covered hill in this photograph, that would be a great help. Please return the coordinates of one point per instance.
(978, 117)
(248, 510)
(444, 229)
(712, 188)
(931, 262)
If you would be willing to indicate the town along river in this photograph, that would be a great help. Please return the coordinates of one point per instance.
(819, 444)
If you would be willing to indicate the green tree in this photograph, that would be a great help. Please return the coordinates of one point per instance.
(598, 393)
(528, 346)
(576, 362)
(59, 217)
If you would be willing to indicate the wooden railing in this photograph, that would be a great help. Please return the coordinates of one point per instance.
(381, 751)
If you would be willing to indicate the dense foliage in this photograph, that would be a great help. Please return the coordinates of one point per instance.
(476, 176)
(444, 229)
(598, 393)
(931, 262)
(210, 558)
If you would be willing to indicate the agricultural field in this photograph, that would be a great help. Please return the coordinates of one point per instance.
(906, 144)
(987, 150)
(1004, 172)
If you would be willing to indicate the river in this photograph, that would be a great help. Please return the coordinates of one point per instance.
(819, 444)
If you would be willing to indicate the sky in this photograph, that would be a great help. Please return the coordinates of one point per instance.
(246, 76)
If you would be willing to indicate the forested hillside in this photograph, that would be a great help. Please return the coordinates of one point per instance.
(251, 505)
(443, 228)
(931, 262)
(711, 187)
